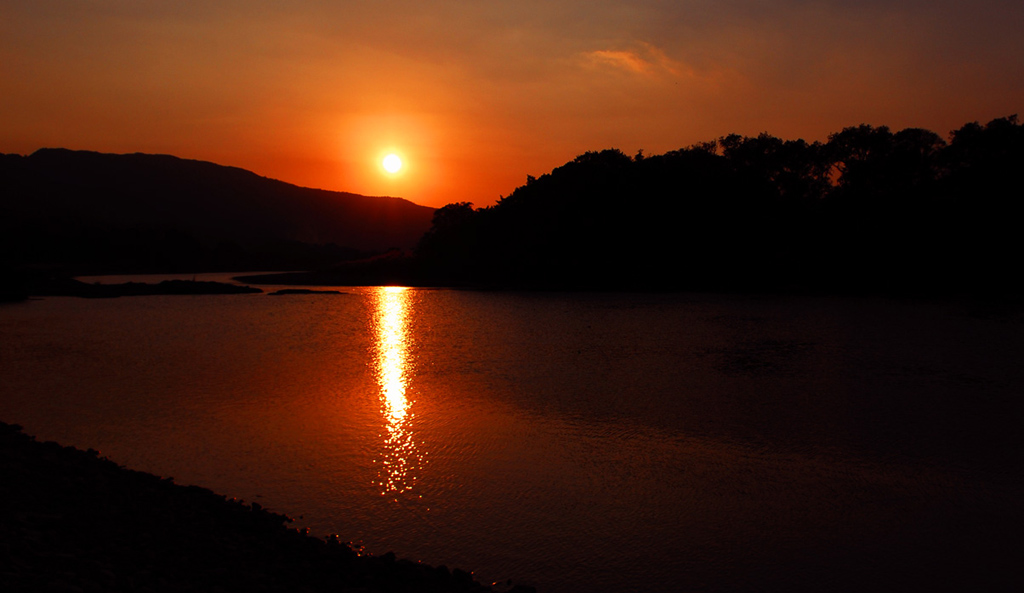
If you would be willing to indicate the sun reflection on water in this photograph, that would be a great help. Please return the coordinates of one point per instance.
(400, 460)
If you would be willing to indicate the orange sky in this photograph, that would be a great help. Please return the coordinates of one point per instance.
(476, 94)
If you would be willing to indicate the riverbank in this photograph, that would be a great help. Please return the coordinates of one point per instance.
(73, 521)
(76, 288)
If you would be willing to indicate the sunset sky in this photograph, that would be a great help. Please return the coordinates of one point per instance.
(476, 94)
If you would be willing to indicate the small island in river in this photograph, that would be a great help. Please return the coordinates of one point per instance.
(297, 291)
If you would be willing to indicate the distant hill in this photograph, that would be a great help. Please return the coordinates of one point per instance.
(95, 212)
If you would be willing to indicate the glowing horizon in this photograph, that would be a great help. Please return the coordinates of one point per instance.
(478, 98)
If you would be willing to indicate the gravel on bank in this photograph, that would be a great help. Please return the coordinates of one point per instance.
(74, 522)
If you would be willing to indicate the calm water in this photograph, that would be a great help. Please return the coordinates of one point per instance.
(572, 442)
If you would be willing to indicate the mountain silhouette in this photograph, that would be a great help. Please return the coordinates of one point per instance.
(107, 212)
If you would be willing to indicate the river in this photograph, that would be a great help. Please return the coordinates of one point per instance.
(598, 442)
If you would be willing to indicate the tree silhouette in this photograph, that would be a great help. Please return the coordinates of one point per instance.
(868, 210)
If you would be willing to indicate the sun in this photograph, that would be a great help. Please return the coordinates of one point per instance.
(391, 163)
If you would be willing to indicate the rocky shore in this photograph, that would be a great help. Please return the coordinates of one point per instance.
(72, 521)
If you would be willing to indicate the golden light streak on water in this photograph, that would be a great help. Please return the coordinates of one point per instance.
(400, 459)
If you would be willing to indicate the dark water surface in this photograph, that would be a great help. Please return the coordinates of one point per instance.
(574, 442)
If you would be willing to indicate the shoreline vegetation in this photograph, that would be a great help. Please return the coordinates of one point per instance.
(74, 521)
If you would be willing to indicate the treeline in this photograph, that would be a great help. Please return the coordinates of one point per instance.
(870, 209)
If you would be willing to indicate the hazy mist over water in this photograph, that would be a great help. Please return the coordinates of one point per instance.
(602, 442)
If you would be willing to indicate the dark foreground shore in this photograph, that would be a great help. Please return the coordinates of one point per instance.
(71, 521)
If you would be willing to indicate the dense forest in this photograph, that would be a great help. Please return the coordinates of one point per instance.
(868, 210)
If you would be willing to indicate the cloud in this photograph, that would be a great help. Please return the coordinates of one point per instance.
(623, 60)
(645, 59)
